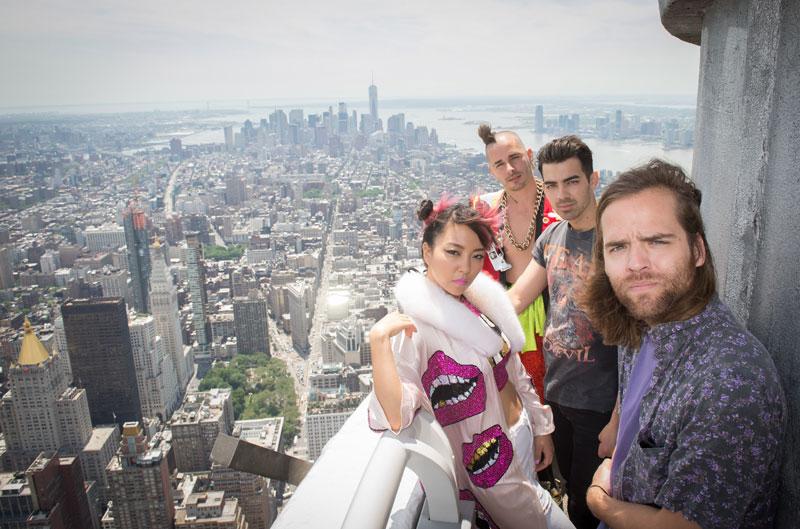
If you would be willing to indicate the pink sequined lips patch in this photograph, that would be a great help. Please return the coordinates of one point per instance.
(487, 457)
(457, 391)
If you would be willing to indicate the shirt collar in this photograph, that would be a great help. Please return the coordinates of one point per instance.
(665, 331)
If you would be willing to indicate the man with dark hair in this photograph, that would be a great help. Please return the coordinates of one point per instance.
(702, 411)
(581, 375)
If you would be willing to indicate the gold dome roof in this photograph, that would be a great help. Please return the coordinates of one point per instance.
(32, 351)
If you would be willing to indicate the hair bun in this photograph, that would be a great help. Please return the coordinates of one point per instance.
(425, 209)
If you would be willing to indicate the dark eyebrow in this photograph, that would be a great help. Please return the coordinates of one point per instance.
(657, 236)
(649, 238)
(455, 244)
(572, 178)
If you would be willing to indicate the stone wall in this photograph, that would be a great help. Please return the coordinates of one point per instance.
(747, 163)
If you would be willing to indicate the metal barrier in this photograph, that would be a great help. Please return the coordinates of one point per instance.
(424, 449)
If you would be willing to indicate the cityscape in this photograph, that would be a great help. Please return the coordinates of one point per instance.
(173, 275)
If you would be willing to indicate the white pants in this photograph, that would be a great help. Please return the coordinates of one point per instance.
(521, 435)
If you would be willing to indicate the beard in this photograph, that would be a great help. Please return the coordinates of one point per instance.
(655, 306)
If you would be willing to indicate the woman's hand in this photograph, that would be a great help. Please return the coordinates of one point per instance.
(386, 381)
(390, 325)
(543, 451)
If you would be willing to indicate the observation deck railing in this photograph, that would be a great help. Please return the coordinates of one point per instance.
(371, 480)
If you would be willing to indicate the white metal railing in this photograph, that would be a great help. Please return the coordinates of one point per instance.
(370, 480)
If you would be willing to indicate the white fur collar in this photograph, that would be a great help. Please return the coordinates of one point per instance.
(425, 301)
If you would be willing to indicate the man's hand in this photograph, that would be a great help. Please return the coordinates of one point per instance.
(528, 286)
(543, 451)
(602, 476)
(623, 515)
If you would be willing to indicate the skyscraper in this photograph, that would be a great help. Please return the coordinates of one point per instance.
(140, 481)
(99, 345)
(252, 491)
(165, 309)
(373, 102)
(297, 293)
(57, 484)
(250, 320)
(41, 412)
(6, 269)
(235, 189)
(196, 276)
(343, 119)
(196, 425)
(204, 510)
(228, 137)
(538, 120)
(155, 372)
(138, 243)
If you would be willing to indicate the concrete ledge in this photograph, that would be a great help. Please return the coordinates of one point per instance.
(684, 18)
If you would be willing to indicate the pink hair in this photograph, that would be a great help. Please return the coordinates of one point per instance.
(445, 201)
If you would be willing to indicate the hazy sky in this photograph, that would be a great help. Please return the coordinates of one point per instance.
(55, 52)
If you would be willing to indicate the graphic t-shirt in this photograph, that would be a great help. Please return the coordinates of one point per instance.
(581, 371)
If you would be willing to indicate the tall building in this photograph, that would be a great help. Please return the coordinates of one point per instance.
(106, 237)
(159, 393)
(96, 455)
(210, 509)
(165, 309)
(296, 117)
(41, 411)
(198, 223)
(100, 352)
(195, 427)
(16, 500)
(139, 479)
(396, 123)
(138, 243)
(326, 418)
(114, 283)
(373, 102)
(6, 269)
(243, 280)
(60, 494)
(538, 119)
(297, 293)
(176, 147)
(251, 322)
(196, 276)
(252, 491)
(235, 189)
(228, 137)
(343, 119)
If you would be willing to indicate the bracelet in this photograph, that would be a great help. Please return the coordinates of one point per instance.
(601, 488)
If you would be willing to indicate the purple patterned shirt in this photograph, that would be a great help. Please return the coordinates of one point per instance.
(711, 426)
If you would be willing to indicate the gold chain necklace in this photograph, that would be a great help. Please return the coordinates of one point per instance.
(531, 229)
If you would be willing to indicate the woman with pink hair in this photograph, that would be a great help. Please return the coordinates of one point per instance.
(453, 352)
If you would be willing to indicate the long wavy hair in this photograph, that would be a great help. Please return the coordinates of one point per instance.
(607, 314)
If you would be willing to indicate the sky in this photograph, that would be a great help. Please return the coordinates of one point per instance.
(84, 52)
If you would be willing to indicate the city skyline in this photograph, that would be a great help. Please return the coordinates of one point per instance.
(155, 53)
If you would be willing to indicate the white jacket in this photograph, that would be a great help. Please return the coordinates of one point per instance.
(445, 368)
